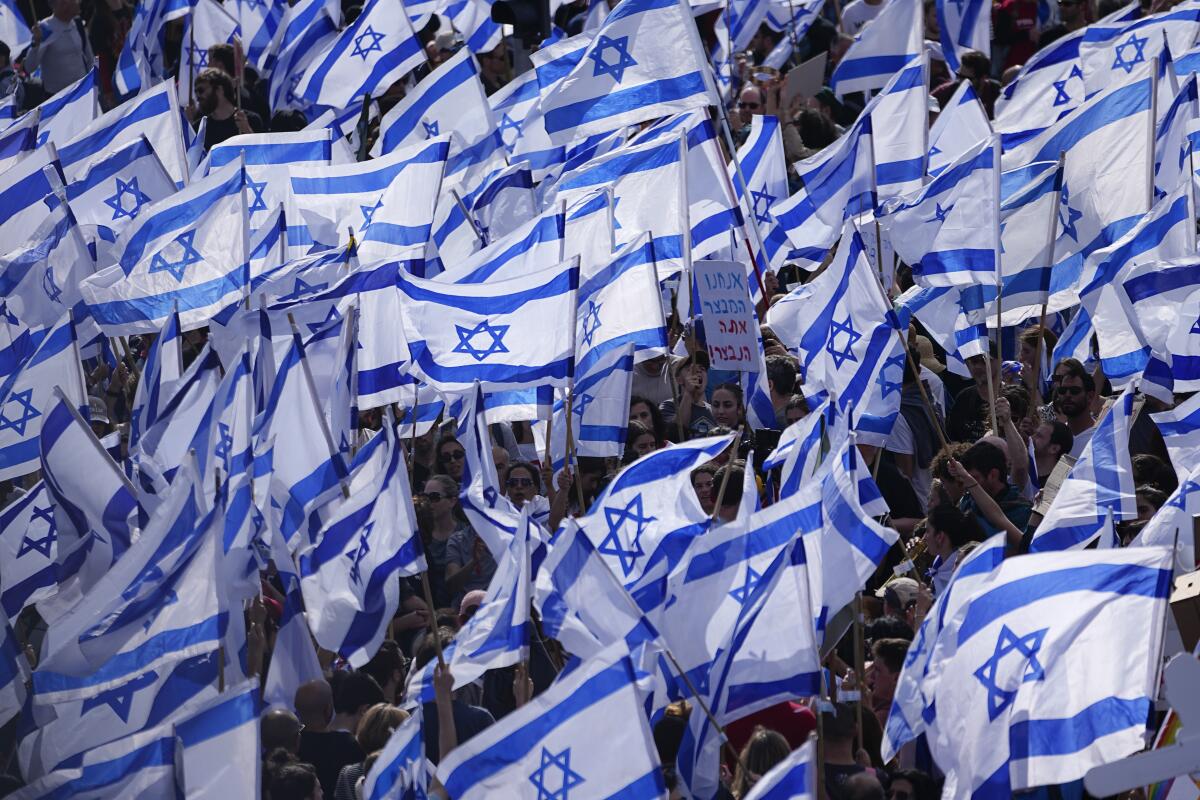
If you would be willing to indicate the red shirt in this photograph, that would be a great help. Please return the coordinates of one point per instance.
(794, 721)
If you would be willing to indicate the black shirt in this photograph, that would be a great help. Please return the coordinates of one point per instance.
(965, 422)
(218, 130)
(468, 721)
(328, 752)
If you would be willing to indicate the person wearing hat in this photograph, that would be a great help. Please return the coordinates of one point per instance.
(898, 595)
(98, 417)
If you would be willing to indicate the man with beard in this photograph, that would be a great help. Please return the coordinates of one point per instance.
(214, 101)
(1074, 392)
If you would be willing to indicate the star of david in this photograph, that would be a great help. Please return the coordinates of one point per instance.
(491, 496)
(313, 327)
(224, 446)
(198, 56)
(359, 553)
(1186, 488)
(554, 778)
(368, 213)
(257, 203)
(431, 128)
(935, 150)
(616, 69)
(301, 288)
(1195, 326)
(1028, 669)
(1067, 216)
(120, 698)
(940, 213)
(742, 593)
(28, 412)
(616, 518)
(42, 545)
(188, 256)
(847, 351)
(254, 4)
(582, 402)
(958, 4)
(591, 321)
(1139, 56)
(52, 289)
(1061, 97)
(507, 123)
(117, 201)
(886, 386)
(373, 46)
(467, 335)
(763, 216)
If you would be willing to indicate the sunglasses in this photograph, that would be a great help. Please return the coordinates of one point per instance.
(1070, 390)
(433, 497)
(751, 106)
(514, 482)
(455, 455)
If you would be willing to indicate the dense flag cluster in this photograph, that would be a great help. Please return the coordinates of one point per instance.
(628, 415)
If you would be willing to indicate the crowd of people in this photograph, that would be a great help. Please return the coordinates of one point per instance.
(969, 455)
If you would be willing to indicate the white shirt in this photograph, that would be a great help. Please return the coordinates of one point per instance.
(857, 14)
(1081, 440)
(901, 441)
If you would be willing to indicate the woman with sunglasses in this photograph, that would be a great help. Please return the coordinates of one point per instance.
(440, 525)
(523, 484)
(451, 458)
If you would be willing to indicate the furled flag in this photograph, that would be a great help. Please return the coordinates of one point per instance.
(23, 190)
(449, 101)
(349, 578)
(40, 281)
(142, 62)
(400, 770)
(765, 170)
(1176, 138)
(259, 21)
(949, 232)
(885, 44)
(502, 202)
(186, 254)
(1102, 479)
(598, 701)
(1031, 233)
(963, 27)
(1053, 671)
(627, 76)
(495, 332)
(221, 744)
(373, 52)
(27, 396)
(307, 29)
(28, 551)
(209, 23)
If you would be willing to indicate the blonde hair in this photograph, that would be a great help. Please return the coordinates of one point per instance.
(377, 724)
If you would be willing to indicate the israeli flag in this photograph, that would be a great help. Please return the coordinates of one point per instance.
(1025, 256)
(186, 254)
(142, 62)
(911, 705)
(600, 402)
(23, 190)
(621, 305)
(595, 98)
(793, 778)
(40, 281)
(500, 203)
(162, 367)
(68, 112)
(765, 169)
(598, 701)
(154, 114)
(221, 744)
(28, 395)
(401, 769)
(259, 21)
(117, 187)
(961, 125)
(1180, 428)
(387, 201)
(450, 101)
(1022, 638)
(497, 635)
(1176, 138)
(1102, 479)
(882, 48)
(963, 27)
(948, 232)
(14, 674)
(143, 764)
(308, 28)
(209, 23)
(349, 578)
(492, 332)
(29, 544)
(14, 31)
(1109, 54)
(294, 659)
(1157, 292)
(1168, 526)
(376, 50)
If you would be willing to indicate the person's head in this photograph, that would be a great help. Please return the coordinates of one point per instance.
(1028, 343)
(522, 482)
(643, 411)
(727, 406)
(639, 441)
(64, 9)
(356, 692)
(1150, 470)
(977, 366)
(288, 120)
(1018, 401)
(1074, 389)
(1072, 12)
(314, 704)
(939, 467)
(1051, 440)
(500, 459)
(295, 781)
(591, 475)
(988, 465)
(280, 728)
(221, 56)
(214, 90)
(451, 457)
(98, 417)
(932, 31)
(1149, 500)
(863, 786)
(441, 493)
(975, 67)
(887, 659)
(897, 596)
(732, 497)
(796, 409)
(817, 130)
(470, 603)
(692, 368)
(426, 649)
(947, 529)
(5, 56)
(750, 103)
(764, 749)
(376, 726)
(781, 378)
(912, 784)
(892, 626)
(389, 668)
(838, 725)
(704, 485)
